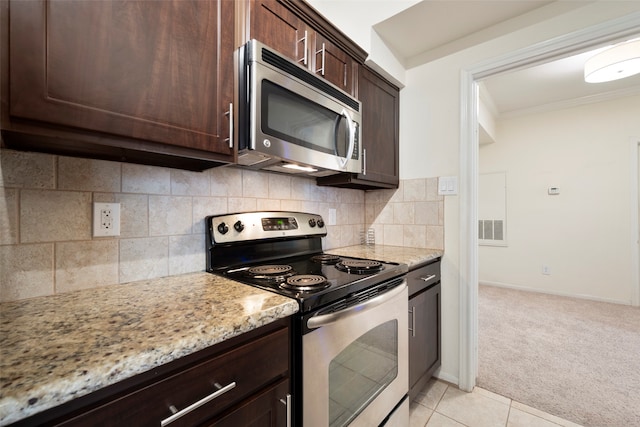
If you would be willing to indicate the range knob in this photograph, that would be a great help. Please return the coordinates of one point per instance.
(239, 226)
(312, 223)
(320, 223)
(222, 228)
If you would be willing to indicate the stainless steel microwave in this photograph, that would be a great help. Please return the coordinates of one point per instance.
(290, 120)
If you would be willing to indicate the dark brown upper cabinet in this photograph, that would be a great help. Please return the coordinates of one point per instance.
(334, 64)
(379, 134)
(144, 81)
(296, 30)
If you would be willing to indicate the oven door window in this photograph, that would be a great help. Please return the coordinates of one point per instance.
(362, 371)
(293, 118)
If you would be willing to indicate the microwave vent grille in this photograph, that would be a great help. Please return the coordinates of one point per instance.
(277, 61)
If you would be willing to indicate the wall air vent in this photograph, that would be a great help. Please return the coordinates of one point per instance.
(491, 229)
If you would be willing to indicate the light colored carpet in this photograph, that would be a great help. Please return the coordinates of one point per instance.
(573, 358)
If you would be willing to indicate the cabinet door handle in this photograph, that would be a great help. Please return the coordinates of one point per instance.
(230, 114)
(304, 39)
(426, 279)
(321, 70)
(364, 161)
(287, 403)
(413, 321)
(178, 414)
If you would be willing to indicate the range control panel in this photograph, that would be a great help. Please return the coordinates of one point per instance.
(250, 226)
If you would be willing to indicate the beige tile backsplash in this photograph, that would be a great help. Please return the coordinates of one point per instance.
(46, 243)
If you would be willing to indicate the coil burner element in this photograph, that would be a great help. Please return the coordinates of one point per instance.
(326, 258)
(360, 266)
(271, 273)
(306, 282)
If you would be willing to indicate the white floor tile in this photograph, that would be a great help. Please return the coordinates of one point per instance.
(432, 393)
(473, 409)
(492, 395)
(439, 420)
(419, 415)
(518, 418)
(542, 414)
(444, 405)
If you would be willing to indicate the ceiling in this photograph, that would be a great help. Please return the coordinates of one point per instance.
(431, 29)
(552, 85)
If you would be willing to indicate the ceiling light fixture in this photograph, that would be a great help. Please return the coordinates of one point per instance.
(617, 62)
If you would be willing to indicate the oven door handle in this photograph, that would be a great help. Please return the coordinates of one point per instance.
(325, 319)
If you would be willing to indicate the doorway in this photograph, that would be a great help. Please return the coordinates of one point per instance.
(635, 221)
(556, 48)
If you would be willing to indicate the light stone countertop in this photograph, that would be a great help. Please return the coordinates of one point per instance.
(57, 348)
(410, 256)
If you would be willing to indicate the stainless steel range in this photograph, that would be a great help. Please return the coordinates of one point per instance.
(349, 340)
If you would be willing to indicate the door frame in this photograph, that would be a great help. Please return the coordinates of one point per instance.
(635, 220)
(538, 53)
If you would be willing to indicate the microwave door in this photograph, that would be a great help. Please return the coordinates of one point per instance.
(347, 142)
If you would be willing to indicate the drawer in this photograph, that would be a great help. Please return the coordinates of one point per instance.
(250, 366)
(423, 277)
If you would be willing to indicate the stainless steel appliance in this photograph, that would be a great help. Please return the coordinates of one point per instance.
(350, 338)
(290, 120)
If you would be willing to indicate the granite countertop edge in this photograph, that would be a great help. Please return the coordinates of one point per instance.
(413, 257)
(53, 349)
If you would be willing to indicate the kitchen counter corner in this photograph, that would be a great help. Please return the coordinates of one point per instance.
(413, 257)
(57, 348)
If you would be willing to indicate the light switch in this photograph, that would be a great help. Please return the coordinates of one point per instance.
(447, 185)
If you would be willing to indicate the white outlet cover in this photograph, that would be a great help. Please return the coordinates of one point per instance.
(99, 228)
(332, 217)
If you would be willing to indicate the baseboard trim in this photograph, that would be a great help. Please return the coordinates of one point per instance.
(560, 294)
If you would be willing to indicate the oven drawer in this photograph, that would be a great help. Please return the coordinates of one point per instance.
(424, 277)
(241, 371)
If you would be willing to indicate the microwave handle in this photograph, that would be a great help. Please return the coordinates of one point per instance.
(352, 138)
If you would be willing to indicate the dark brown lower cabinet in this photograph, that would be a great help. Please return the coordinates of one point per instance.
(253, 368)
(424, 325)
(267, 409)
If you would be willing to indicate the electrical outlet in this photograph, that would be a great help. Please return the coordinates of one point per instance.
(332, 217)
(546, 270)
(106, 219)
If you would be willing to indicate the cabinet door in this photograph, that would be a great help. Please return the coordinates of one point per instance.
(265, 409)
(380, 127)
(424, 336)
(159, 71)
(379, 135)
(334, 64)
(280, 29)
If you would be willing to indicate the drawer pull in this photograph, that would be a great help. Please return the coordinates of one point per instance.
(178, 414)
(304, 39)
(287, 403)
(321, 69)
(413, 322)
(426, 279)
(230, 115)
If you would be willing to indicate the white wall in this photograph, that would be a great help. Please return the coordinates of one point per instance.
(430, 138)
(582, 234)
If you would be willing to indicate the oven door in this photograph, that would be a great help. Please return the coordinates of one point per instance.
(355, 364)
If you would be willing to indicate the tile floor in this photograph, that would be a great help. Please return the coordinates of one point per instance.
(443, 405)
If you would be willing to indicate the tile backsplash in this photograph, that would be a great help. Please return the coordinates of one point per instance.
(46, 243)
